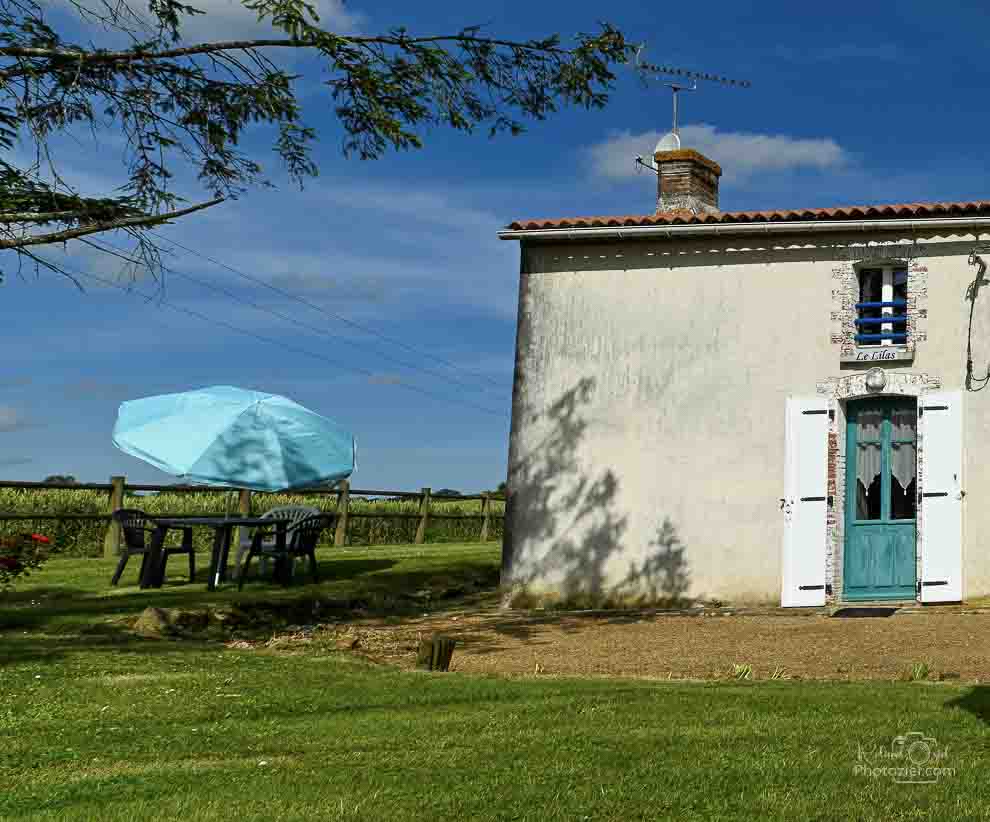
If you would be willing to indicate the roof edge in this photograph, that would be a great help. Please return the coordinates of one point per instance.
(727, 229)
(890, 211)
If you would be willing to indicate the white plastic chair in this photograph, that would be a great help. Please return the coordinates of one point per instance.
(295, 513)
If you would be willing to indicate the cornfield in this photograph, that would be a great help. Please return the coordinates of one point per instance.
(370, 522)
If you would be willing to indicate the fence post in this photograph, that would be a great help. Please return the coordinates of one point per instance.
(244, 509)
(343, 500)
(424, 515)
(111, 542)
(485, 514)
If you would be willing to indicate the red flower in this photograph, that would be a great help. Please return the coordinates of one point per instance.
(40, 538)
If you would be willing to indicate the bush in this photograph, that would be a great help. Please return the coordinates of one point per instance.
(20, 555)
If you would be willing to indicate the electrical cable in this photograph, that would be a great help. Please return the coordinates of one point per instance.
(118, 252)
(322, 310)
(972, 293)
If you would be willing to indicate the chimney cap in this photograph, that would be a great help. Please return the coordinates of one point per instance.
(687, 154)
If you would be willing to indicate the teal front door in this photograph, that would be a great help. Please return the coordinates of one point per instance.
(881, 499)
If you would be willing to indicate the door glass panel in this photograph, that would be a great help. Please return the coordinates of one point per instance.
(903, 480)
(903, 423)
(868, 424)
(868, 480)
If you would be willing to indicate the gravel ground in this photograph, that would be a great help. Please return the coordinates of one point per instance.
(950, 642)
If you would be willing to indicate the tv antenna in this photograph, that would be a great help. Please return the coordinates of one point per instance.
(671, 78)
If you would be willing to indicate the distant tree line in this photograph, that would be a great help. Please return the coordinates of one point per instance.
(499, 491)
(68, 479)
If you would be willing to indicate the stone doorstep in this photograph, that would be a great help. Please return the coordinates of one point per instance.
(911, 606)
(897, 604)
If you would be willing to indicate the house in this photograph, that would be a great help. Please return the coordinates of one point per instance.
(775, 407)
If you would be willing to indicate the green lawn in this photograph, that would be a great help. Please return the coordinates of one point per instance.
(99, 725)
(70, 594)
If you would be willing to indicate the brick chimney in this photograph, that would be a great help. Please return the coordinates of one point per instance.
(686, 179)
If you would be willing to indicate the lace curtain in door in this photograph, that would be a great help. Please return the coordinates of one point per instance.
(868, 460)
(903, 455)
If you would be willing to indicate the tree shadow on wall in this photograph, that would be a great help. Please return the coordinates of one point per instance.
(563, 530)
(663, 578)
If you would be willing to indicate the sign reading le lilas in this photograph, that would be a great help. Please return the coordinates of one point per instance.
(880, 353)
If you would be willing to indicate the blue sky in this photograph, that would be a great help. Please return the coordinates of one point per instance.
(850, 104)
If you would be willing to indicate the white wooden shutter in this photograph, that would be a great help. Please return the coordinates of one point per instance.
(941, 496)
(805, 502)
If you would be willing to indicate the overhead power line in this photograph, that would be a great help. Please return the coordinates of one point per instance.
(262, 338)
(119, 252)
(322, 310)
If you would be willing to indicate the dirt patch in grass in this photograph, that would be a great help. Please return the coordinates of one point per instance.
(951, 645)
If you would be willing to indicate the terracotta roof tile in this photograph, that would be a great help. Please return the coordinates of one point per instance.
(685, 217)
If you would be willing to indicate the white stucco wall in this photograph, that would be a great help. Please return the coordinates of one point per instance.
(650, 386)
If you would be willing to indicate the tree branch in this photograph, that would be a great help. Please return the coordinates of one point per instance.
(40, 216)
(231, 45)
(94, 228)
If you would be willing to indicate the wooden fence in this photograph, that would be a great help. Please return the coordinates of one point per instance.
(342, 491)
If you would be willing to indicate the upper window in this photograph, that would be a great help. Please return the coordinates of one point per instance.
(882, 307)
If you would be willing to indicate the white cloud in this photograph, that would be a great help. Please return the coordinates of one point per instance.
(8, 418)
(435, 208)
(313, 281)
(391, 250)
(11, 419)
(739, 153)
(230, 20)
(222, 20)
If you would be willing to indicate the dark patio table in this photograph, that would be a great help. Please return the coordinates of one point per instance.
(154, 572)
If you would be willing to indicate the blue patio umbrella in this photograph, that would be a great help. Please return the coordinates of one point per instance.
(235, 438)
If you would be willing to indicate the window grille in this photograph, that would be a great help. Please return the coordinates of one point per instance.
(881, 313)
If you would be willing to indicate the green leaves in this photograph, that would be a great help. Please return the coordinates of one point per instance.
(294, 17)
(388, 87)
(169, 15)
(20, 193)
(188, 105)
